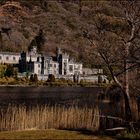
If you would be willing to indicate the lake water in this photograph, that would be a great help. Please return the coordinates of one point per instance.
(49, 95)
(82, 97)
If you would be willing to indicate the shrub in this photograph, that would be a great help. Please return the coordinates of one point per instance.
(8, 80)
(23, 80)
(9, 71)
(51, 78)
(3, 81)
(2, 70)
(33, 78)
(128, 136)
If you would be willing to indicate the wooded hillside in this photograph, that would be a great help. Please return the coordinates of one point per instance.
(62, 22)
(71, 25)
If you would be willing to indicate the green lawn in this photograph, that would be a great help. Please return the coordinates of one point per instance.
(49, 134)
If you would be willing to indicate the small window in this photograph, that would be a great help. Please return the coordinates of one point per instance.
(14, 58)
(7, 58)
(0, 57)
(39, 65)
(55, 65)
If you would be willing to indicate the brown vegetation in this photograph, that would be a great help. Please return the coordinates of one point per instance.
(44, 117)
(52, 134)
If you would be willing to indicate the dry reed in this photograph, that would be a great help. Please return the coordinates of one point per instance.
(44, 117)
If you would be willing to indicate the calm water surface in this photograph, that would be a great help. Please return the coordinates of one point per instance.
(49, 95)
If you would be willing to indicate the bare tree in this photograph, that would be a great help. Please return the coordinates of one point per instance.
(131, 10)
(124, 40)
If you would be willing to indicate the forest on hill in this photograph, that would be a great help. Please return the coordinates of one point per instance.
(61, 23)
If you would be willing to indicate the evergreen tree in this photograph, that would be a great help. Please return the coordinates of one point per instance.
(32, 78)
(35, 78)
(40, 39)
(9, 71)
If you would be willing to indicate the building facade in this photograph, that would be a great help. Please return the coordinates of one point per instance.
(61, 64)
(9, 58)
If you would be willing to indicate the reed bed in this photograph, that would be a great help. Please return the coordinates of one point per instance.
(45, 117)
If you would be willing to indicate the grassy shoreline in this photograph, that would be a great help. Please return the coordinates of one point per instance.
(50, 134)
(56, 85)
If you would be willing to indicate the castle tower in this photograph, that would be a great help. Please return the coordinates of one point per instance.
(65, 61)
(23, 62)
(58, 53)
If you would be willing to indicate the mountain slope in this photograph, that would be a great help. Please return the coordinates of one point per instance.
(62, 23)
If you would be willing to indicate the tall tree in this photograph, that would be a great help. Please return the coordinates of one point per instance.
(115, 36)
(38, 41)
(131, 11)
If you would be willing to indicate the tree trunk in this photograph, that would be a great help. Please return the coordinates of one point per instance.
(127, 71)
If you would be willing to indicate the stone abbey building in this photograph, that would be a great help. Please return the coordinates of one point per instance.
(60, 65)
(34, 63)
